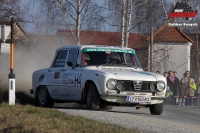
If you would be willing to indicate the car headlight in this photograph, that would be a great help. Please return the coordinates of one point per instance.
(152, 87)
(120, 86)
(111, 83)
(160, 86)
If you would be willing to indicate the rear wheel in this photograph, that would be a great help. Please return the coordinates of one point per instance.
(156, 109)
(44, 98)
(93, 98)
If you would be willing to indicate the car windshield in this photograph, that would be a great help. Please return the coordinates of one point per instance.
(109, 57)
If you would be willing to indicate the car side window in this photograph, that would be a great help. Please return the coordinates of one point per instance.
(128, 59)
(60, 59)
(73, 54)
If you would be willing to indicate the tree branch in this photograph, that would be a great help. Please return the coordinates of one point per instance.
(164, 9)
(65, 9)
(68, 24)
(141, 3)
(83, 5)
(71, 5)
(108, 22)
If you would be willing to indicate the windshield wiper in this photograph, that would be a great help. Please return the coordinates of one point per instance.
(108, 65)
(125, 64)
(102, 65)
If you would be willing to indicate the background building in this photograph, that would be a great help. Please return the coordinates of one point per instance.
(171, 50)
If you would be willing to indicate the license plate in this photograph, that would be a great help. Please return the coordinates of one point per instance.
(138, 99)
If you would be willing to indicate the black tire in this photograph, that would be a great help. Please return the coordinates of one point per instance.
(106, 107)
(156, 109)
(44, 99)
(93, 98)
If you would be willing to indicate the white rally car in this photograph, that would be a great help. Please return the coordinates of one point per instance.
(100, 77)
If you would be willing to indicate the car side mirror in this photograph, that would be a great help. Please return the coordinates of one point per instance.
(69, 63)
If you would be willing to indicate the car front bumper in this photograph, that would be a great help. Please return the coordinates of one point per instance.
(121, 99)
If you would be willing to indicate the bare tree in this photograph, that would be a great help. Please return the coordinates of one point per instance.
(10, 8)
(154, 14)
(75, 15)
(124, 10)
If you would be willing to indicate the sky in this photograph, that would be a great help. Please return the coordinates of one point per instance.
(33, 10)
(36, 9)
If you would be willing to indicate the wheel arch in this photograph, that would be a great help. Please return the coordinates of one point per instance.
(85, 90)
(37, 90)
(43, 97)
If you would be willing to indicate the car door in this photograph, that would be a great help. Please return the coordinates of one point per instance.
(54, 74)
(71, 76)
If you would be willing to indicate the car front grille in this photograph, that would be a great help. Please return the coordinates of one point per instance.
(136, 85)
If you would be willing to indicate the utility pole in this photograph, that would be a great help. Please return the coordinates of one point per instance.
(151, 50)
(11, 76)
(197, 37)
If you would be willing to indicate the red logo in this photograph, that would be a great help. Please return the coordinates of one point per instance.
(182, 14)
(182, 10)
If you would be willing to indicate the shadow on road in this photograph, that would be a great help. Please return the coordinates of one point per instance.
(21, 97)
(116, 109)
(69, 106)
(129, 112)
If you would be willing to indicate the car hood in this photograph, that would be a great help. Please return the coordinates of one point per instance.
(130, 74)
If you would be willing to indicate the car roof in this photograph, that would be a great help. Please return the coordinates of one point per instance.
(91, 46)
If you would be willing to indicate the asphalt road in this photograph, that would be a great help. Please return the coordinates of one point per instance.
(175, 119)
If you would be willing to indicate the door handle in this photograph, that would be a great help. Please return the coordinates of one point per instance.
(63, 70)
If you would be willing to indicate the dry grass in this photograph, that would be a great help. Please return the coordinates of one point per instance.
(25, 117)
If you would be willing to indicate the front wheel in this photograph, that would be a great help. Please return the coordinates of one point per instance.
(93, 98)
(156, 109)
(44, 98)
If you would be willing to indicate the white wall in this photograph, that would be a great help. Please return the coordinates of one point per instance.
(175, 57)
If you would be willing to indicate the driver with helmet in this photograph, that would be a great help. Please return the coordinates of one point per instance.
(85, 59)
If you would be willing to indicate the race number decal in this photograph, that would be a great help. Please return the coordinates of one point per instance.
(78, 79)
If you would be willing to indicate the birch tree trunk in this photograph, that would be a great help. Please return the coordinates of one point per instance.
(78, 22)
(122, 21)
(128, 20)
(125, 14)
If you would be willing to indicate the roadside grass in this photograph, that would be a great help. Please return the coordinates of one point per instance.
(26, 117)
